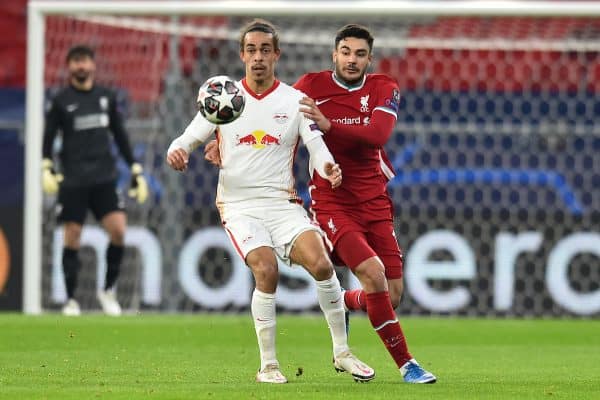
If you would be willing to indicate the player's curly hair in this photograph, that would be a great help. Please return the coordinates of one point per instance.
(79, 51)
(259, 25)
(354, 31)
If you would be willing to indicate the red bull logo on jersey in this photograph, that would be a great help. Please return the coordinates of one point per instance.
(258, 139)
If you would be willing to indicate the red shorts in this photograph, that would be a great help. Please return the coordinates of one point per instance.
(359, 232)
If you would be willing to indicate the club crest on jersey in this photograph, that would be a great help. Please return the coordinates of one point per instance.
(258, 140)
(364, 103)
(104, 103)
(280, 118)
(331, 226)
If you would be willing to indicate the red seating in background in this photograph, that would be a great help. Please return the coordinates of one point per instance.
(504, 69)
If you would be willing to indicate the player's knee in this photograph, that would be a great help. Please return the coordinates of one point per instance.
(72, 235)
(321, 268)
(265, 272)
(117, 235)
(372, 277)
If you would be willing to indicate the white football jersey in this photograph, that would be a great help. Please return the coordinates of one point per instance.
(258, 149)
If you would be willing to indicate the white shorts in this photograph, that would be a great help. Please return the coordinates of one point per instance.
(276, 225)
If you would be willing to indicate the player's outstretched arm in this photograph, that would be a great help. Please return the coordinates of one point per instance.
(196, 133)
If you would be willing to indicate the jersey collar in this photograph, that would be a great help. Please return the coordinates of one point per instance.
(350, 88)
(261, 95)
(82, 90)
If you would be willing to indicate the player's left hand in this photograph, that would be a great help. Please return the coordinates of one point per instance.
(312, 112)
(138, 188)
(334, 174)
(212, 154)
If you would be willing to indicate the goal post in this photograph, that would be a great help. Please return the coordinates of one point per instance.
(39, 11)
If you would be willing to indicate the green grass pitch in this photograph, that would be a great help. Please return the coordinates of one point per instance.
(209, 356)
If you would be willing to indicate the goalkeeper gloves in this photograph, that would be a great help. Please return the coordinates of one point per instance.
(50, 179)
(138, 188)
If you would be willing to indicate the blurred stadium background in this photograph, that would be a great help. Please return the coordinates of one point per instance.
(496, 149)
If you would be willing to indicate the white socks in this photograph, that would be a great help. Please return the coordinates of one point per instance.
(331, 301)
(263, 314)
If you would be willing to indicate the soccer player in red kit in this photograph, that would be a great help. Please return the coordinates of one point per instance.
(357, 112)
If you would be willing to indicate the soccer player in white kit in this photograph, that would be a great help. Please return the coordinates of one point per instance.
(257, 202)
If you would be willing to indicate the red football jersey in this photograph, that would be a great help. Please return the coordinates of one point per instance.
(363, 118)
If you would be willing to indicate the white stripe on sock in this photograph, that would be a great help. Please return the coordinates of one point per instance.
(386, 323)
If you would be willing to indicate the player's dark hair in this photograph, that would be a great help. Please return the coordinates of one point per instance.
(259, 25)
(354, 31)
(79, 51)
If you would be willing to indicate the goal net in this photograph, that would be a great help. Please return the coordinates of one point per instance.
(495, 150)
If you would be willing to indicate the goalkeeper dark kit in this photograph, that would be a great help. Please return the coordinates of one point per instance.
(86, 119)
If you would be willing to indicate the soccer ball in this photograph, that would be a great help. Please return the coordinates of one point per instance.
(221, 100)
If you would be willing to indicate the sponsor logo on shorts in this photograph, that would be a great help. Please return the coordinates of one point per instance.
(247, 238)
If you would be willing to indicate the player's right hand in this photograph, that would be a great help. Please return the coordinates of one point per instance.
(312, 112)
(50, 179)
(178, 159)
(212, 154)
(334, 174)
(138, 188)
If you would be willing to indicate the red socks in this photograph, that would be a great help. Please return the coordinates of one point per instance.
(384, 321)
(355, 300)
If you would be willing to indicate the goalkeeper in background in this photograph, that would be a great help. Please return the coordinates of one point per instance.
(87, 115)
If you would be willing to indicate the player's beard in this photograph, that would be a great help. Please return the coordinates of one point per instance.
(81, 75)
(260, 75)
(350, 81)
